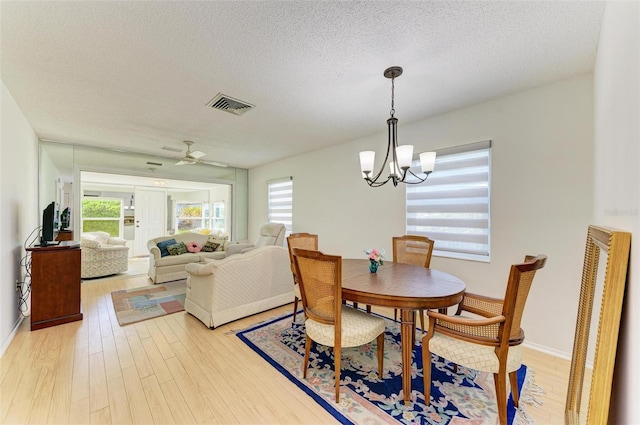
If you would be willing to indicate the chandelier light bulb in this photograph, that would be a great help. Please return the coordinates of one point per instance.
(404, 154)
(366, 161)
(427, 161)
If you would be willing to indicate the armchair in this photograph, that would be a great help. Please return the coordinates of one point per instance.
(304, 241)
(270, 234)
(329, 322)
(416, 250)
(488, 342)
(102, 255)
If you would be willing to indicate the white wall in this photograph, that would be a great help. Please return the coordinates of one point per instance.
(617, 178)
(48, 180)
(19, 210)
(542, 196)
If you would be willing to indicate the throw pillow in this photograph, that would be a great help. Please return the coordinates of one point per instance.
(210, 246)
(163, 246)
(177, 248)
(221, 244)
(193, 247)
(218, 242)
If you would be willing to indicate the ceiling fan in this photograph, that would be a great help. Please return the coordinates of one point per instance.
(195, 157)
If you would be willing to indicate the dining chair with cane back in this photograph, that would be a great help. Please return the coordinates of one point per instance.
(328, 321)
(488, 340)
(416, 250)
(304, 241)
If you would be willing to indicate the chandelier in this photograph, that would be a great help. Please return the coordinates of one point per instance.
(401, 156)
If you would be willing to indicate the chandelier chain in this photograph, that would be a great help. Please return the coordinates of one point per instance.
(393, 110)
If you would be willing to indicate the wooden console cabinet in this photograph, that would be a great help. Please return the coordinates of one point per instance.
(55, 284)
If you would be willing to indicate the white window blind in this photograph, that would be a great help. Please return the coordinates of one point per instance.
(452, 206)
(280, 193)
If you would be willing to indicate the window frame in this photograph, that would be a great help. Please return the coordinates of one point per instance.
(472, 220)
(119, 219)
(177, 217)
(207, 215)
(280, 187)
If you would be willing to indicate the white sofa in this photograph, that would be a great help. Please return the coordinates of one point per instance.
(102, 255)
(172, 267)
(221, 291)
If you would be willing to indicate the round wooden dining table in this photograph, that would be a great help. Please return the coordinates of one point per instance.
(405, 287)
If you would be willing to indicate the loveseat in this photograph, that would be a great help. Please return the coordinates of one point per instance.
(102, 255)
(164, 267)
(221, 291)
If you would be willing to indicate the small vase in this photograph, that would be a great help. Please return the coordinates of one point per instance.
(373, 266)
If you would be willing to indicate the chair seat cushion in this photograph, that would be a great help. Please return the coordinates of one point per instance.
(358, 328)
(474, 356)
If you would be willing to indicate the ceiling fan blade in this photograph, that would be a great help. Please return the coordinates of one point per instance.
(215, 163)
(187, 160)
(197, 154)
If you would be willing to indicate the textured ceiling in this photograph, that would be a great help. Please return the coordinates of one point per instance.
(138, 75)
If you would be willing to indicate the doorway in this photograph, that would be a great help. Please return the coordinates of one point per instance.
(150, 206)
(149, 218)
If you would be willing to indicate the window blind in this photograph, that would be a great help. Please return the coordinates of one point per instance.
(280, 198)
(452, 206)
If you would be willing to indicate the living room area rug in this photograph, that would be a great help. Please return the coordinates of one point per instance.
(465, 397)
(137, 304)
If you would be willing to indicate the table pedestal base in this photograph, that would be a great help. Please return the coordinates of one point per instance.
(407, 333)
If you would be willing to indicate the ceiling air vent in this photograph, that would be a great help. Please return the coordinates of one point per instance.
(229, 104)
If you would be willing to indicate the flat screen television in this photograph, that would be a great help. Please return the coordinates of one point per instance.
(49, 224)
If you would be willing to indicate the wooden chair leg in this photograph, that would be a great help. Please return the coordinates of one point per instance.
(355, 305)
(421, 313)
(500, 379)
(395, 314)
(295, 309)
(413, 328)
(426, 373)
(337, 353)
(513, 380)
(307, 349)
(368, 308)
(380, 343)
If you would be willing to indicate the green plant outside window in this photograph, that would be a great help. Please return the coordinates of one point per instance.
(189, 216)
(102, 215)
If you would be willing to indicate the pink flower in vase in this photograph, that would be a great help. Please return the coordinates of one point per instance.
(375, 255)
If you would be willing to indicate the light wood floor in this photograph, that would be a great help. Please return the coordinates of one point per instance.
(172, 369)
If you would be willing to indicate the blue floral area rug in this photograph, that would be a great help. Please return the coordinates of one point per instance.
(465, 397)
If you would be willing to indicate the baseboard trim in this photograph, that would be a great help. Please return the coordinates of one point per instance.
(12, 335)
(555, 353)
